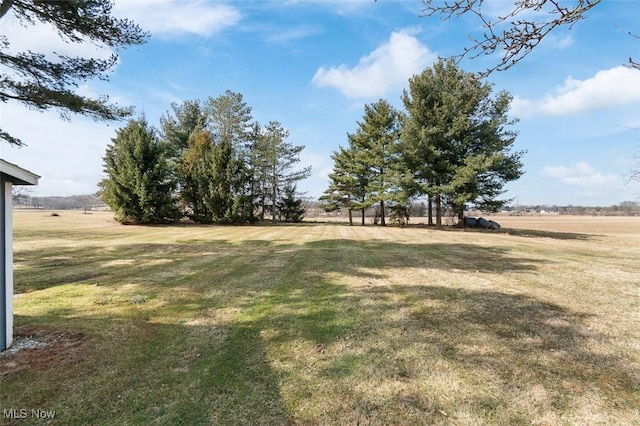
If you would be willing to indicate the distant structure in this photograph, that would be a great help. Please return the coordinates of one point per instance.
(10, 175)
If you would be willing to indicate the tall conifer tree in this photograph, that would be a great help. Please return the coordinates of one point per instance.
(375, 148)
(195, 173)
(455, 145)
(139, 186)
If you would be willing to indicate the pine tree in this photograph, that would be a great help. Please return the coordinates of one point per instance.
(222, 190)
(349, 183)
(274, 162)
(229, 120)
(375, 147)
(345, 185)
(455, 146)
(186, 119)
(290, 206)
(40, 83)
(140, 184)
(195, 173)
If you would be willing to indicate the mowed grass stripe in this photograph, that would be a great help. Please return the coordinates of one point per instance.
(326, 324)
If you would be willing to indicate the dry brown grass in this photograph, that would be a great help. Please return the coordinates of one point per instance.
(331, 324)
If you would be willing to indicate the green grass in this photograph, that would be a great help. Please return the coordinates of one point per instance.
(327, 324)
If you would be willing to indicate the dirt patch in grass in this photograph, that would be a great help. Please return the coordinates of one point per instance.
(41, 348)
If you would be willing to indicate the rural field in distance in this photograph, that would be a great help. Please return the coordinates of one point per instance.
(323, 323)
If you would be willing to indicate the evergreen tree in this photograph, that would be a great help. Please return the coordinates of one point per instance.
(290, 207)
(488, 164)
(454, 145)
(139, 185)
(275, 162)
(195, 173)
(342, 184)
(222, 189)
(177, 128)
(375, 145)
(349, 183)
(40, 83)
(229, 120)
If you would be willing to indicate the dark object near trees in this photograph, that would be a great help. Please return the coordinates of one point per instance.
(472, 222)
(483, 223)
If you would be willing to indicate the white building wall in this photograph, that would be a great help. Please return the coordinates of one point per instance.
(6, 299)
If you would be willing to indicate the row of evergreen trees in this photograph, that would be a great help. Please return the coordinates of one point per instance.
(209, 162)
(450, 145)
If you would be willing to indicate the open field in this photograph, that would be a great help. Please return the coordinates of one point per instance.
(325, 323)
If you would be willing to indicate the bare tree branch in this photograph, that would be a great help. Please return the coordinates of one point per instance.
(517, 32)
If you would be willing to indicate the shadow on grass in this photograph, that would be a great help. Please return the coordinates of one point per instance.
(533, 233)
(301, 336)
(135, 372)
(508, 359)
(176, 263)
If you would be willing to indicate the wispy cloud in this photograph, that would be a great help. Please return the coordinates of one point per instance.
(612, 87)
(385, 69)
(173, 17)
(293, 34)
(560, 42)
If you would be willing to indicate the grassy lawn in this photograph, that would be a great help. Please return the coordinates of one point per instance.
(326, 323)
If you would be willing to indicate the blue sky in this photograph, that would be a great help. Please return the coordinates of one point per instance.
(313, 65)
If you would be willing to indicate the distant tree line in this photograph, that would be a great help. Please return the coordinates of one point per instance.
(23, 199)
(209, 161)
(450, 144)
(625, 208)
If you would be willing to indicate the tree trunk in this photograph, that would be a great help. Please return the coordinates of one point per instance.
(382, 222)
(430, 210)
(274, 194)
(350, 217)
(438, 212)
(363, 217)
(461, 216)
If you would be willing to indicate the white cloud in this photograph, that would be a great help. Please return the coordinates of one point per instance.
(582, 175)
(583, 184)
(44, 39)
(160, 17)
(172, 17)
(68, 155)
(385, 69)
(613, 87)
